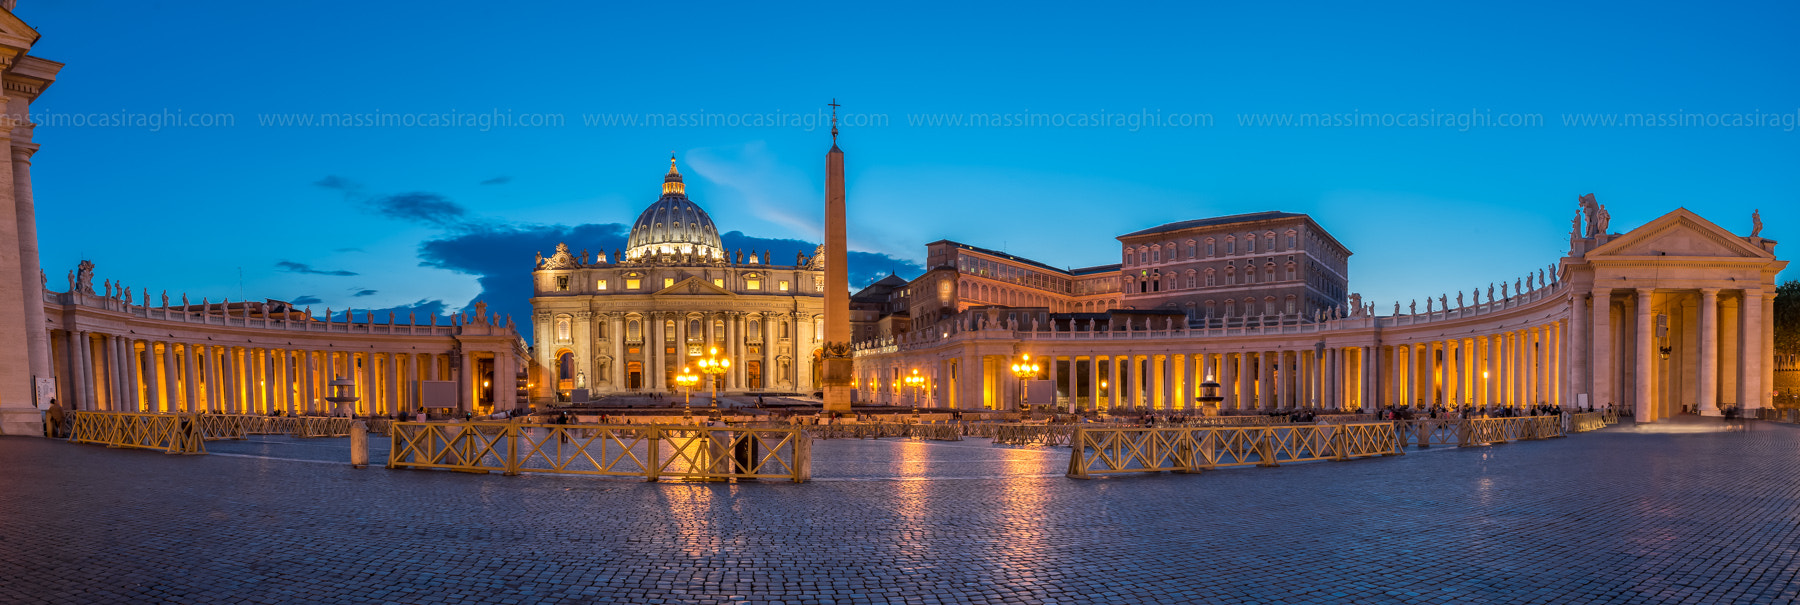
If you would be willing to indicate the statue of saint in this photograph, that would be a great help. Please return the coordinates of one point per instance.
(1756, 223)
(1356, 303)
(1413, 307)
(540, 260)
(1459, 299)
(1503, 293)
(1444, 302)
(1428, 306)
(1490, 292)
(1396, 308)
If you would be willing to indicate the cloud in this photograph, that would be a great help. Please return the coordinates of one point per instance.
(306, 299)
(419, 206)
(500, 257)
(293, 267)
(338, 183)
(499, 180)
(362, 293)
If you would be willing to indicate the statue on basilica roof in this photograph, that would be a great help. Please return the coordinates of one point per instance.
(1756, 223)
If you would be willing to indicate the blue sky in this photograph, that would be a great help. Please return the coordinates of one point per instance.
(434, 216)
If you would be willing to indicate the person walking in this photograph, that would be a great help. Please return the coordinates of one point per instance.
(53, 420)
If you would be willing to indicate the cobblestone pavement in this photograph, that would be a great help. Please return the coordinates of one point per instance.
(1618, 516)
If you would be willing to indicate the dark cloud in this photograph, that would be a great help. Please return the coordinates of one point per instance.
(306, 299)
(499, 180)
(349, 250)
(338, 183)
(500, 257)
(293, 267)
(420, 207)
(362, 293)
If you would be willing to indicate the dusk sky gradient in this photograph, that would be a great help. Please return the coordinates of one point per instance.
(432, 217)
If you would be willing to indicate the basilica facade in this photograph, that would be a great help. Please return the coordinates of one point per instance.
(630, 323)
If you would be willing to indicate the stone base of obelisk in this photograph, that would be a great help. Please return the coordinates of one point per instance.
(837, 399)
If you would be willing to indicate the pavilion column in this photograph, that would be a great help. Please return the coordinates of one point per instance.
(1546, 336)
(109, 358)
(681, 343)
(502, 384)
(309, 386)
(1093, 398)
(1646, 351)
(172, 379)
(1371, 373)
(1601, 348)
(90, 385)
(209, 373)
(466, 381)
(1246, 395)
(1765, 355)
(131, 370)
(1709, 352)
(1751, 391)
(272, 378)
(73, 351)
(191, 375)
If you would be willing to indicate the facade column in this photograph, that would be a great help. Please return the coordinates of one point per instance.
(1765, 357)
(36, 339)
(1646, 352)
(133, 394)
(171, 379)
(618, 351)
(502, 384)
(1709, 352)
(191, 374)
(1601, 348)
(76, 392)
(1751, 392)
(653, 352)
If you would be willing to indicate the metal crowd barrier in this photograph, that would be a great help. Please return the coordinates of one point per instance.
(1102, 451)
(1610, 417)
(859, 430)
(171, 433)
(1583, 422)
(652, 452)
(215, 427)
(934, 432)
(1033, 434)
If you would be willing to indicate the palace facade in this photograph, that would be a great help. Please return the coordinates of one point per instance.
(632, 323)
(1675, 314)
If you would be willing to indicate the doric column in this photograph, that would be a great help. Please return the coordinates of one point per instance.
(172, 379)
(618, 351)
(192, 381)
(133, 392)
(503, 385)
(768, 365)
(1246, 394)
(1751, 391)
(90, 386)
(1709, 352)
(1600, 334)
(1765, 354)
(233, 382)
(1645, 350)
(37, 339)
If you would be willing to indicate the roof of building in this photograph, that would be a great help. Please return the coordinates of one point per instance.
(1216, 221)
(1095, 269)
(999, 254)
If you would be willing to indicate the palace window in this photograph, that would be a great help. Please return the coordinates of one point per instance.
(562, 282)
(1230, 275)
(1269, 272)
(1189, 249)
(1231, 245)
(1291, 238)
(784, 285)
(1249, 244)
(1156, 255)
(1143, 256)
(1190, 280)
(601, 285)
(668, 281)
(1291, 304)
(1209, 248)
(633, 284)
(752, 284)
(1210, 309)
(1209, 278)
(720, 282)
(1292, 272)
(1269, 306)
(1269, 241)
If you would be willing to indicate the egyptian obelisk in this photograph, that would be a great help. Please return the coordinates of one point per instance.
(837, 370)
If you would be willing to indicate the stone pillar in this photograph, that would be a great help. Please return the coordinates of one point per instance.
(72, 399)
(25, 343)
(768, 365)
(1601, 337)
(1645, 350)
(172, 379)
(466, 381)
(1751, 391)
(618, 351)
(393, 386)
(132, 367)
(653, 352)
(191, 375)
(1765, 354)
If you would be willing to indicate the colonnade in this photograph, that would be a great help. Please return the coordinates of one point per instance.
(104, 371)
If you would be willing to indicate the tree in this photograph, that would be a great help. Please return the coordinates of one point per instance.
(1787, 317)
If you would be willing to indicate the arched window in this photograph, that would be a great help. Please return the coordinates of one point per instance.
(668, 330)
(1128, 257)
(565, 366)
(784, 329)
(1143, 255)
(694, 333)
(1191, 283)
(1190, 248)
(632, 331)
(1292, 237)
(754, 330)
(1211, 309)
(1230, 306)
(1230, 275)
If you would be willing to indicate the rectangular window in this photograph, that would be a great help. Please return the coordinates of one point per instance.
(784, 285)
(633, 284)
(668, 281)
(601, 286)
(1210, 249)
(752, 284)
(719, 282)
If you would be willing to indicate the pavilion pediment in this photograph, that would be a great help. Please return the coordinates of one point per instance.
(693, 286)
(1679, 233)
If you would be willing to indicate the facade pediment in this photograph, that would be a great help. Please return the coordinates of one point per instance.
(1679, 233)
(693, 286)
(14, 33)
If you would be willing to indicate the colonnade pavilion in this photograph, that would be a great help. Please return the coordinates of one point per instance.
(1672, 315)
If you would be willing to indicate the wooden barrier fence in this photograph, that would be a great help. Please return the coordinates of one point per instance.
(1103, 451)
(170, 433)
(651, 452)
(1583, 422)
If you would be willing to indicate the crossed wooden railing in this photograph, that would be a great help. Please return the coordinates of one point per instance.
(860, 430)
(1426, 432)
(652, 452)
(1103, 451)
(1583, 422)
(1033, 434)
(171, 433)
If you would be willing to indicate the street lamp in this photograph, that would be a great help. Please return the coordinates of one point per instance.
(686, 380)
(714, 365)
(917, 383)
(1024, 370)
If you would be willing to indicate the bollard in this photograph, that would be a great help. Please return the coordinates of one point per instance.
(359, 445)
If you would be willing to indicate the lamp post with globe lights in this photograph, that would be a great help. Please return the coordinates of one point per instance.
(917, 383)
(1024, 369)
(686, 380)
(714, 365)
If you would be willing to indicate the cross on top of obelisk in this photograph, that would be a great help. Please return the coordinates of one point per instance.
(834, 105)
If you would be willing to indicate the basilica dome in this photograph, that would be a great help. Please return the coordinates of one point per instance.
(674, 226)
